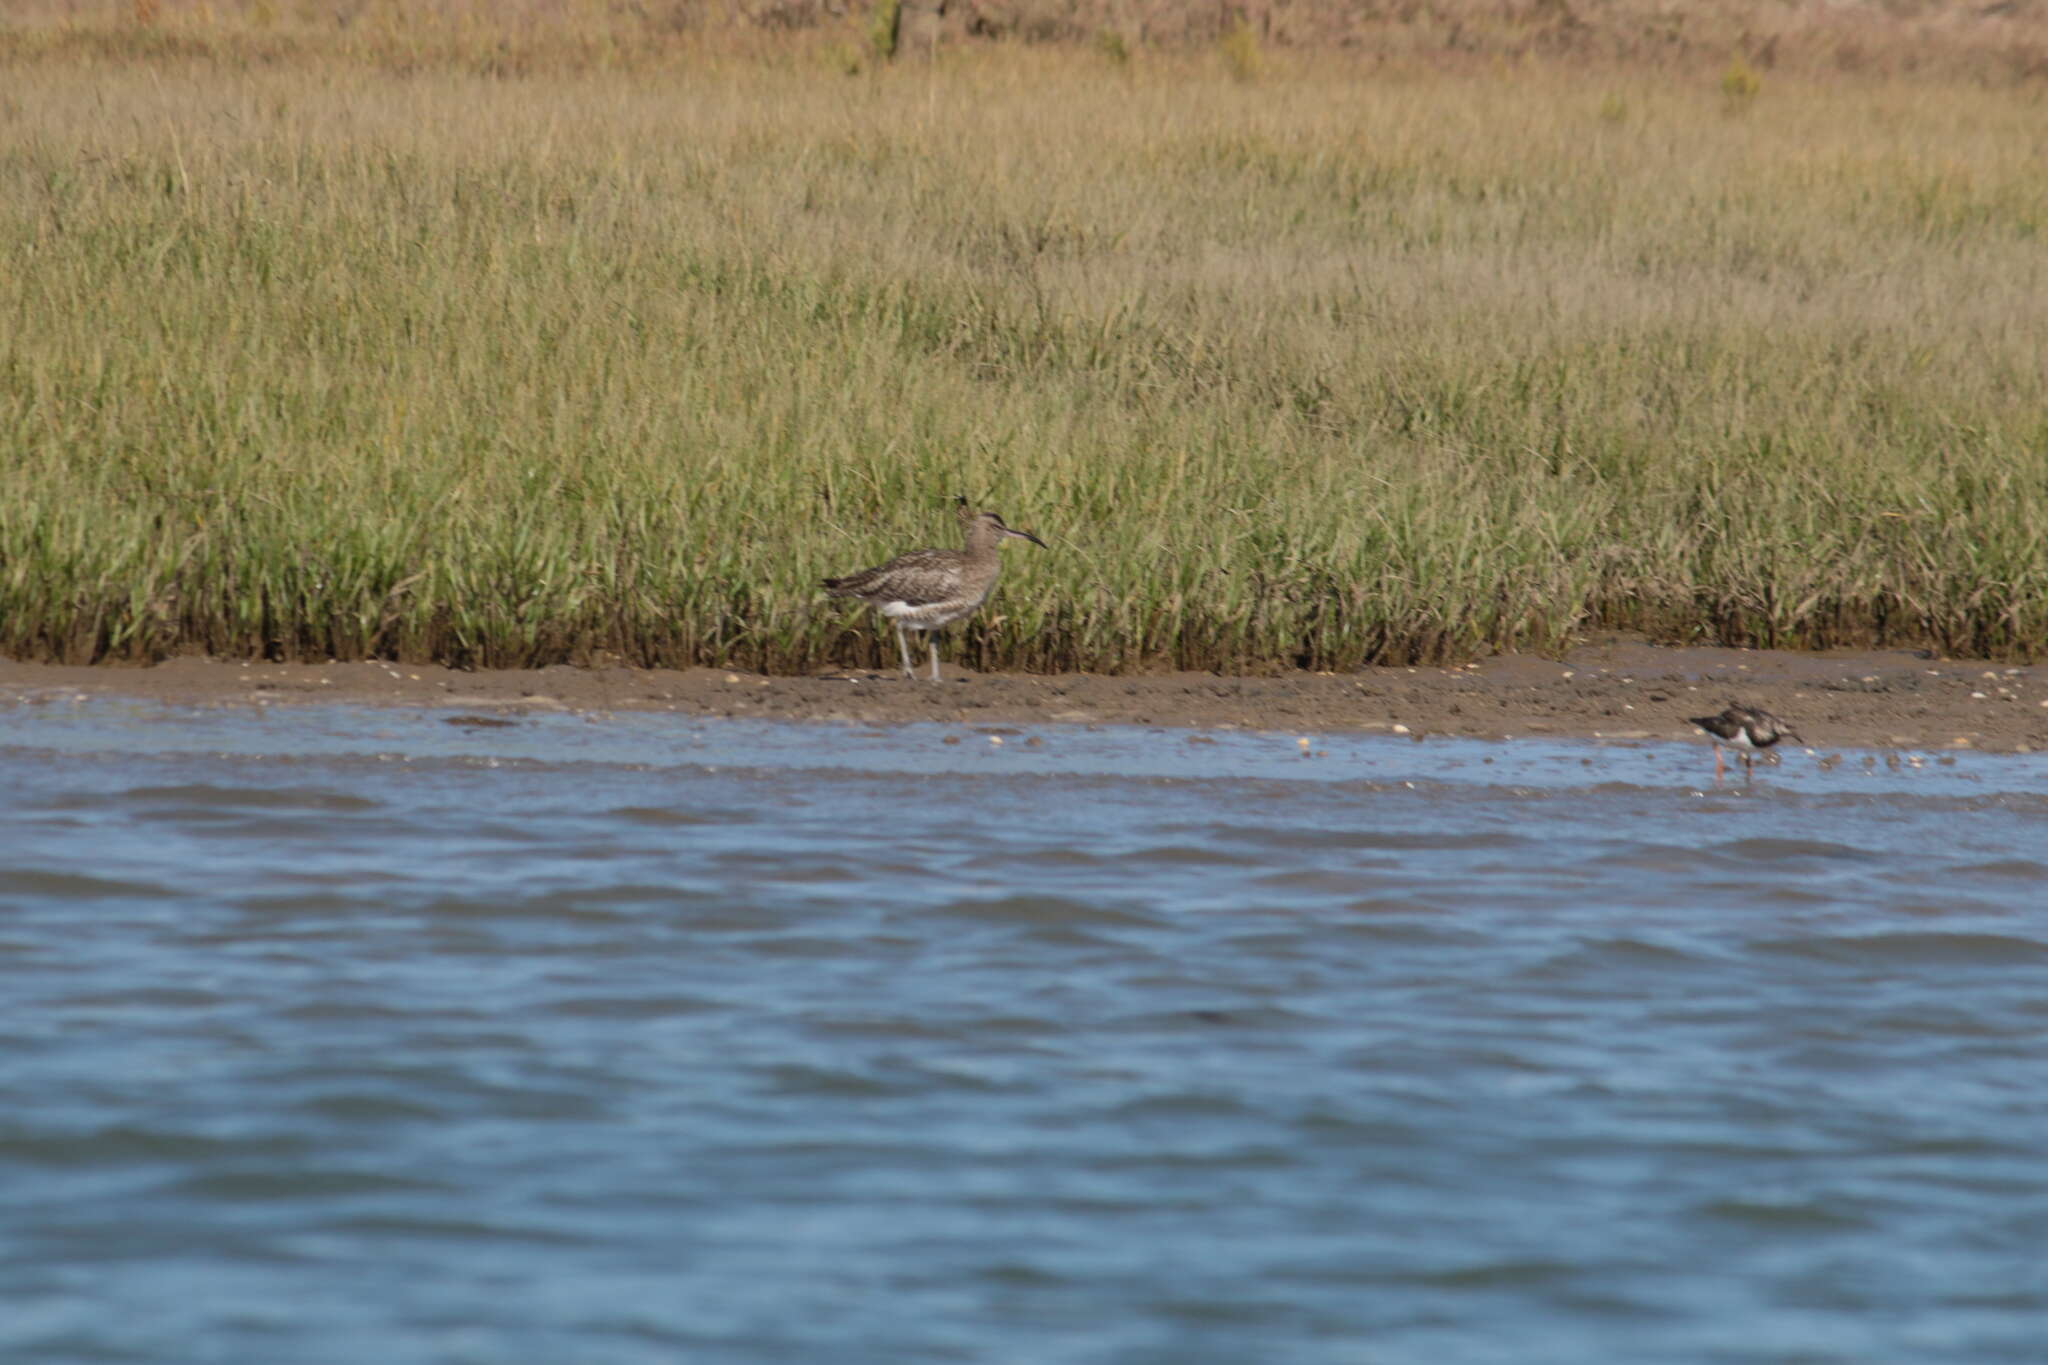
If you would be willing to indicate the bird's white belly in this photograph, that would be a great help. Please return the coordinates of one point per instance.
(930, 616)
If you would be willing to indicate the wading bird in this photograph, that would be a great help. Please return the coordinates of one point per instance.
(928, 590)
(1747, 728)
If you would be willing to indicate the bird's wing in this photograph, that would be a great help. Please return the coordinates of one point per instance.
(916, 579)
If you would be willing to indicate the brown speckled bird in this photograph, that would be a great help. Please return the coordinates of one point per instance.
(928, 590)
(1747, 728)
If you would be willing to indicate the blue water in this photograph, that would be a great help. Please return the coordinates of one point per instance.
(341, 1035)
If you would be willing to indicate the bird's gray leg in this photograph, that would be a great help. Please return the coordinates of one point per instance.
(933, 641)
(903, 643)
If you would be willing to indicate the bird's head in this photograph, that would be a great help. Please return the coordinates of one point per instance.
(991, 524)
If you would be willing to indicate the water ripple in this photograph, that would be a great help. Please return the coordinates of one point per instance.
(26, 883)
(199, 796)
(366, 1036)
(1769, 852)
(1038, 911)
(1913, 949)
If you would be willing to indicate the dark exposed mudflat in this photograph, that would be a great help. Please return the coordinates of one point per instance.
(1617, 690)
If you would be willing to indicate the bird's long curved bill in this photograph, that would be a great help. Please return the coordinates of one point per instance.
(1024, 535)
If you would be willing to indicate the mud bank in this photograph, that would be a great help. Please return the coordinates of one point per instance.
(1619, 689)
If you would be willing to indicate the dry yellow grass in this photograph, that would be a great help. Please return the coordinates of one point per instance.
(315, 355)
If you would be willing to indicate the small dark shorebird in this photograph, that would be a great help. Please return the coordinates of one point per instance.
(1747, 728)
(928, 590)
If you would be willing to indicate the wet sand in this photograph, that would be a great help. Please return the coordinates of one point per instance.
(1613, 689)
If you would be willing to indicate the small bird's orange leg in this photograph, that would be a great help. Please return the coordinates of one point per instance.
(1717, 763)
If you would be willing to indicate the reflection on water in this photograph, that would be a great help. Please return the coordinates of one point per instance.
(345, 1035)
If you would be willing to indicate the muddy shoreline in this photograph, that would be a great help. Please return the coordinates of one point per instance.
(1613, 689)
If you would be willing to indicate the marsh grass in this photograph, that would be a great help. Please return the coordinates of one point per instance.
(316, 359)
(1239, 48)
(1740, 85)
(883, 21)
